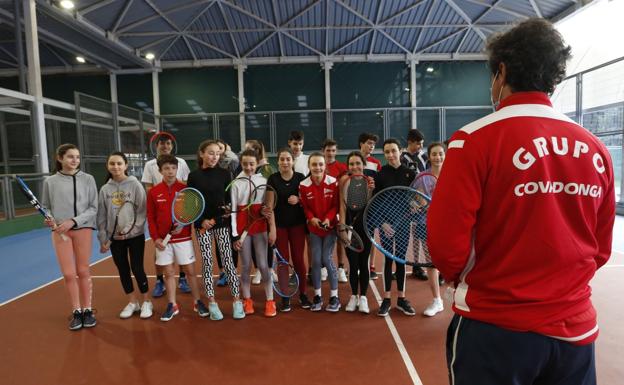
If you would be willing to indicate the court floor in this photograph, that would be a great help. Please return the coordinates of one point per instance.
(299, 347)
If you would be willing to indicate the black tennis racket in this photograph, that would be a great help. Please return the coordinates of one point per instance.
(392, 211)
(285, 287)
(125, 219)
(36, 204)
(355, 193)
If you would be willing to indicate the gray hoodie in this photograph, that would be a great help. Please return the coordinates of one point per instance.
(71, 197)
(112, 195)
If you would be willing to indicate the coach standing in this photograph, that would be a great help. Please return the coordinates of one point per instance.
(522, 218)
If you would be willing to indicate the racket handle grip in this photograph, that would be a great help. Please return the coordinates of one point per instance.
(166, 240)
(243, 236)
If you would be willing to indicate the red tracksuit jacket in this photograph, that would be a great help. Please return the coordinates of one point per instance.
(319, 201)
(159, 199)
(522, 217)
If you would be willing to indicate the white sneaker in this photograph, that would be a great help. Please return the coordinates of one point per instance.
(324, 274)
(434, 308)
(363, 305)
(342, 275)
(353, 302)
(257, 278)
(129, 310)
(146, 309)
(274, 275)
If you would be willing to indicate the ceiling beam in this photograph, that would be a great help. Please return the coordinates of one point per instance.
(121, 15)
(403, 11)
(279, 35)
(227, 25)
(95, 6)
(422, 31)
(157, 15)
(442, 40)
(537, 10)
(226, 53)
(349, 42)
(260, 43)
(464, 16)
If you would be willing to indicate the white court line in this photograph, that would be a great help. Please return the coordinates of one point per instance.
(397, 339)
(47, 284)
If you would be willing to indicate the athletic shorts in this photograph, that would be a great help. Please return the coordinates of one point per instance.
(181, 253)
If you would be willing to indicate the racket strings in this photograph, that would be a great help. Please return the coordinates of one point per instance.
(357, 194)
(187, 206)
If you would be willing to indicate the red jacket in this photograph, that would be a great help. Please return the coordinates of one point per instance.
(522, 217)
(159, 199)
(336, 169)
(319, 201)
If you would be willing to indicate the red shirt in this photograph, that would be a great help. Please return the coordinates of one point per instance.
(522, 218)
(159, 199)
(336, 169)
(319, 201)
(372, 166)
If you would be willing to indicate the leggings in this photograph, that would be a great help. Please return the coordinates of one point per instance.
(73, 257)
(400, 250)
(120, 250)
(257, 242)
(359, 265)
(220, 259)
(291, 242)
(322, 251)
(224, 244)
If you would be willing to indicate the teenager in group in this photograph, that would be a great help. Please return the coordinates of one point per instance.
(151, 177)
(228, 160)
(415, 158)
(212, 181)
(71, 197)
(393, 174)
(290, 225)
(319, 197)
(295, 143)
(257, 239)
(358, 261)
(119, 189)
(366, 143)
(180, 248)
(336, 169)
(435, 152)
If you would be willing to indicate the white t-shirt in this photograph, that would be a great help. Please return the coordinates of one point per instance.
(301, 164)
(153, 176)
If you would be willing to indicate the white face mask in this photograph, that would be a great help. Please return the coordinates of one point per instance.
(500, 92)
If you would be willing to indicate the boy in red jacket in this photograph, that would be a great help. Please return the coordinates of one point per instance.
(180, 247)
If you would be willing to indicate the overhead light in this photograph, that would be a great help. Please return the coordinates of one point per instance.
(149, 56)
(67, 4)
(429, 69)
(80, 59)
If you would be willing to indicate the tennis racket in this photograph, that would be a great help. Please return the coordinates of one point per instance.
(425, 183)
(159, 137)
(125, 219)
(36, 204)
(355, 192)
(257, 213)
(392, 211)
(266, 170)
(285, 287)
(187, 206)
(226, 209)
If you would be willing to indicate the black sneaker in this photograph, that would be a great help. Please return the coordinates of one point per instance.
(405, 306)
(384, 308)
(393, 276)
(317, 303)
(373, 274)
(88, 319)
(285, 305)
(75, 320)
(419, 274)
(305, 302)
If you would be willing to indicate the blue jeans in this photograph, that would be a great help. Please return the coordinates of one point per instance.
(322, 251)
